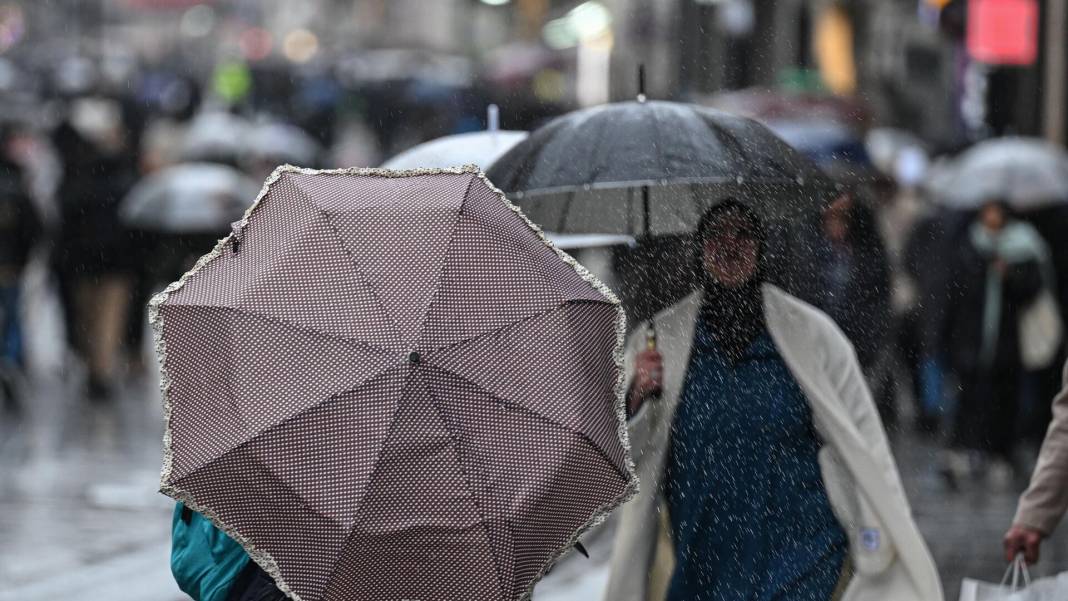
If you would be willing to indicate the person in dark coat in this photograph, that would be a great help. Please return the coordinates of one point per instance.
(20, 229)
(851, 283)
(996, 274)
(93, 258)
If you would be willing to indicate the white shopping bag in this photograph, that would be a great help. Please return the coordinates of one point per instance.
(1016, 586)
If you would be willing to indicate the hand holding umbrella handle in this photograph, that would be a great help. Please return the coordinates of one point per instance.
(648, 375)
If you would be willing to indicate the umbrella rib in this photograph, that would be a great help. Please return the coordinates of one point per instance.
(454, 442)
(498, 330)
(292, 324)
(520, 407)
(444, 260)
(355, 265)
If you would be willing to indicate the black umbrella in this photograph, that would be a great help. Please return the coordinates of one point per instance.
(602, 169)
(650, 169)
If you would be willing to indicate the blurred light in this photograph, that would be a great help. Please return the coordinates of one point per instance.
(300, 45)
(589, 19)
(232, 81)
(12, 25)
(198, 21)
(256, 43)
(558, 34)
(496, 2)
(549, 85)
(586, 22)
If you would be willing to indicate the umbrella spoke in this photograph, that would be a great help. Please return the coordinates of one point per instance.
(415, 221)
(511, 457)
(520, 365)
(485, 255)
(419, 509)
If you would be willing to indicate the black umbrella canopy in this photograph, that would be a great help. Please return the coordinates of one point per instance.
(685, 156)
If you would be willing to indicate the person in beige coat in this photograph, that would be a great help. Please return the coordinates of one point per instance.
(1043, 504)
(887, 559)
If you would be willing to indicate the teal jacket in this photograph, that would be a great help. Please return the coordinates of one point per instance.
(204, 560)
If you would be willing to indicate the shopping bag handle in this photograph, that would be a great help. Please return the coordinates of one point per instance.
(1018, 570)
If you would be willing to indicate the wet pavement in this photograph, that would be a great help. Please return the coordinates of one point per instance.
(80, 515)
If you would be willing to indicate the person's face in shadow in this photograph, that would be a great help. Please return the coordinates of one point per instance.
(731, 249)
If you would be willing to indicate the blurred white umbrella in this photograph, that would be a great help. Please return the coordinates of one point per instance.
(216, 136)
(480, 148)
(1026, 173)
(190, 198)
(282, 143)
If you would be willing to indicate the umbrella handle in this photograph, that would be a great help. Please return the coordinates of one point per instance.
(650, 338)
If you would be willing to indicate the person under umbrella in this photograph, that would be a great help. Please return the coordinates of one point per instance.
(753, 426)
(997, 273)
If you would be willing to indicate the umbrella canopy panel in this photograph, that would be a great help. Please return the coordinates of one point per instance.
(393, 388)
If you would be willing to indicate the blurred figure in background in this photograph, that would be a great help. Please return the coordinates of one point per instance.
(996, 274)
(93, 258)
(20, 229)
(852, 285)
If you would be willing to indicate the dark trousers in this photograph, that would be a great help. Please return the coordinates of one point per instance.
(253, 584)
(987, 411)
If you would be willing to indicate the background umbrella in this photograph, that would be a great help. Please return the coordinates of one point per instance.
(216, 137)
(651, 169)
(282, 143)
(476, 148)
(190, 198)
(421, 311)
(1026, 173)
(480, 148)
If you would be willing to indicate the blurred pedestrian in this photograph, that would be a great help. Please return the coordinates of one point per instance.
(1043, 504)
(996, 274)
(852, 285)
(20, 230)
(753, 426)
(93, 258)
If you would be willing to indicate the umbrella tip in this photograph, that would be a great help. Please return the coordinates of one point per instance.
(493, 117)
(641, 82)
(582, 549)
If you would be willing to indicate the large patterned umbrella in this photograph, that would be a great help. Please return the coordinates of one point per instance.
(388, 385)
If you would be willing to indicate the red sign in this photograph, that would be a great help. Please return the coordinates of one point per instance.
(1003, 32)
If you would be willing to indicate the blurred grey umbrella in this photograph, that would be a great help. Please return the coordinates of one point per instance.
(282, 143)
(190, 198)
(1026, 173)
(216, 136)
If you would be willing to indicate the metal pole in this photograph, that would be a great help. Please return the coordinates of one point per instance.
(1056, 64)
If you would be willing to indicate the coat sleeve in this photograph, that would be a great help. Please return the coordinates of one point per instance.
(1045, 501)
(845, 373)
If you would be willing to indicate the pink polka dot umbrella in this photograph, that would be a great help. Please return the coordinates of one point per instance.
(388, 385)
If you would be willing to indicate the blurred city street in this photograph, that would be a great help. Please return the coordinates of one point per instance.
(384, 369)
